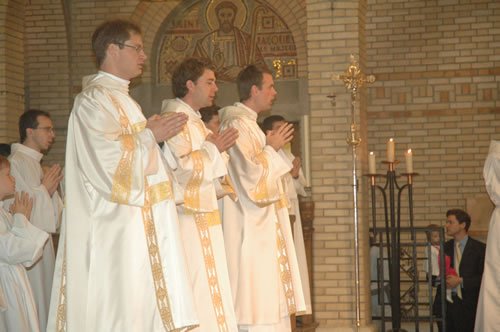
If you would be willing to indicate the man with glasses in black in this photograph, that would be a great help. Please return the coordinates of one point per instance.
(37, 135)
(120, 264)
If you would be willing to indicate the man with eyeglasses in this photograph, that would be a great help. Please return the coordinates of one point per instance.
(120, 266)
(37, 135)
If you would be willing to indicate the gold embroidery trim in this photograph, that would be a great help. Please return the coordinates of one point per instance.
(283, 202)
(203, 221)
(192, 192)
(138, 127)
(156, 268)
(261, 192)
(122, 179)
(212, 218)
(160, 192)
(61, 308)
(285, 272)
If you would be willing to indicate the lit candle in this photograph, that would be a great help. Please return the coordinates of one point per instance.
(409, 161)
(390, 150)
(371, 163)
(306, 146)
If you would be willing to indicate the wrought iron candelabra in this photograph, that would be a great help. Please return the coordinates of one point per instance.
(391, 194)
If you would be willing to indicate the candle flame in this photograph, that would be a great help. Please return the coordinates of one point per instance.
(371, 153)
(409, 151)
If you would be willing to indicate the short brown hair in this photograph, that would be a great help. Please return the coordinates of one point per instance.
(248, 77)
(207, 113)
(190, 69)
(112, 32)
(29, 119)
(462, 217)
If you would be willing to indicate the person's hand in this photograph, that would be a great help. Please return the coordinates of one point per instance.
(51, 178)
(166, 126)
(279, 137)
(453, 281)
(23, 204)
(225, 139)
(296, 163)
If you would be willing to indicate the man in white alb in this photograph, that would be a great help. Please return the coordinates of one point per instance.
(295, 184)
(37, 135)
(263, 267)
(200, 170)
(120, 264)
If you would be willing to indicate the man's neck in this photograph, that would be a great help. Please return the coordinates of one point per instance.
(460, 236)
(32, 146)
(251, 105)
(191, 103)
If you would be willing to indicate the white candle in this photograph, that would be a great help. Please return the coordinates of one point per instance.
(306, 146)
(390, 150)
(372, 169)
(409, 161)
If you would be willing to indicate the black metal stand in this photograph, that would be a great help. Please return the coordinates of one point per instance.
(392, 216)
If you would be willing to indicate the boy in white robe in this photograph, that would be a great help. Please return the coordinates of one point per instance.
(21, 244)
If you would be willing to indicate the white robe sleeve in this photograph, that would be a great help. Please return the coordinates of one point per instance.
(46, 211)
(259, 167)
(491, 174)
(199, 163)
(23, 243)
(102, 147)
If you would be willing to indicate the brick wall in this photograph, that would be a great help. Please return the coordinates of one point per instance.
(11, 68)
(438, 70)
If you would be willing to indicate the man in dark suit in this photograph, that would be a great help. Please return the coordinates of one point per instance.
(467, 258)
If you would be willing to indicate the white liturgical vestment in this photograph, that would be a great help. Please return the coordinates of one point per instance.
(46, 215)
(294, 188)
(263, 267)
(488, 307)
(120, 264)
(200, 169)
(21, 244)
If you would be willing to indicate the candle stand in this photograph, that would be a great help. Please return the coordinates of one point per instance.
(391, 195)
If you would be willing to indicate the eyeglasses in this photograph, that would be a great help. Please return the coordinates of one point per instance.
(47, 129)
(138, 49)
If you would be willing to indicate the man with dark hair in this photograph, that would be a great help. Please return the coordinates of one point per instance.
(467, 259)
(37, 134)
(120, 266)
(210, 117)
(200, 169)
(263, 266)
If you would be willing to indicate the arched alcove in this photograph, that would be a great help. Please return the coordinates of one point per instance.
(156, 20)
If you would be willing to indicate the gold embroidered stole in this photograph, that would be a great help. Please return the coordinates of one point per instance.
(262, 194)
(203, 222)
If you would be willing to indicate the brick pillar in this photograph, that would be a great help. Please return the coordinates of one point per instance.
(335, 29)
(12, 68)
